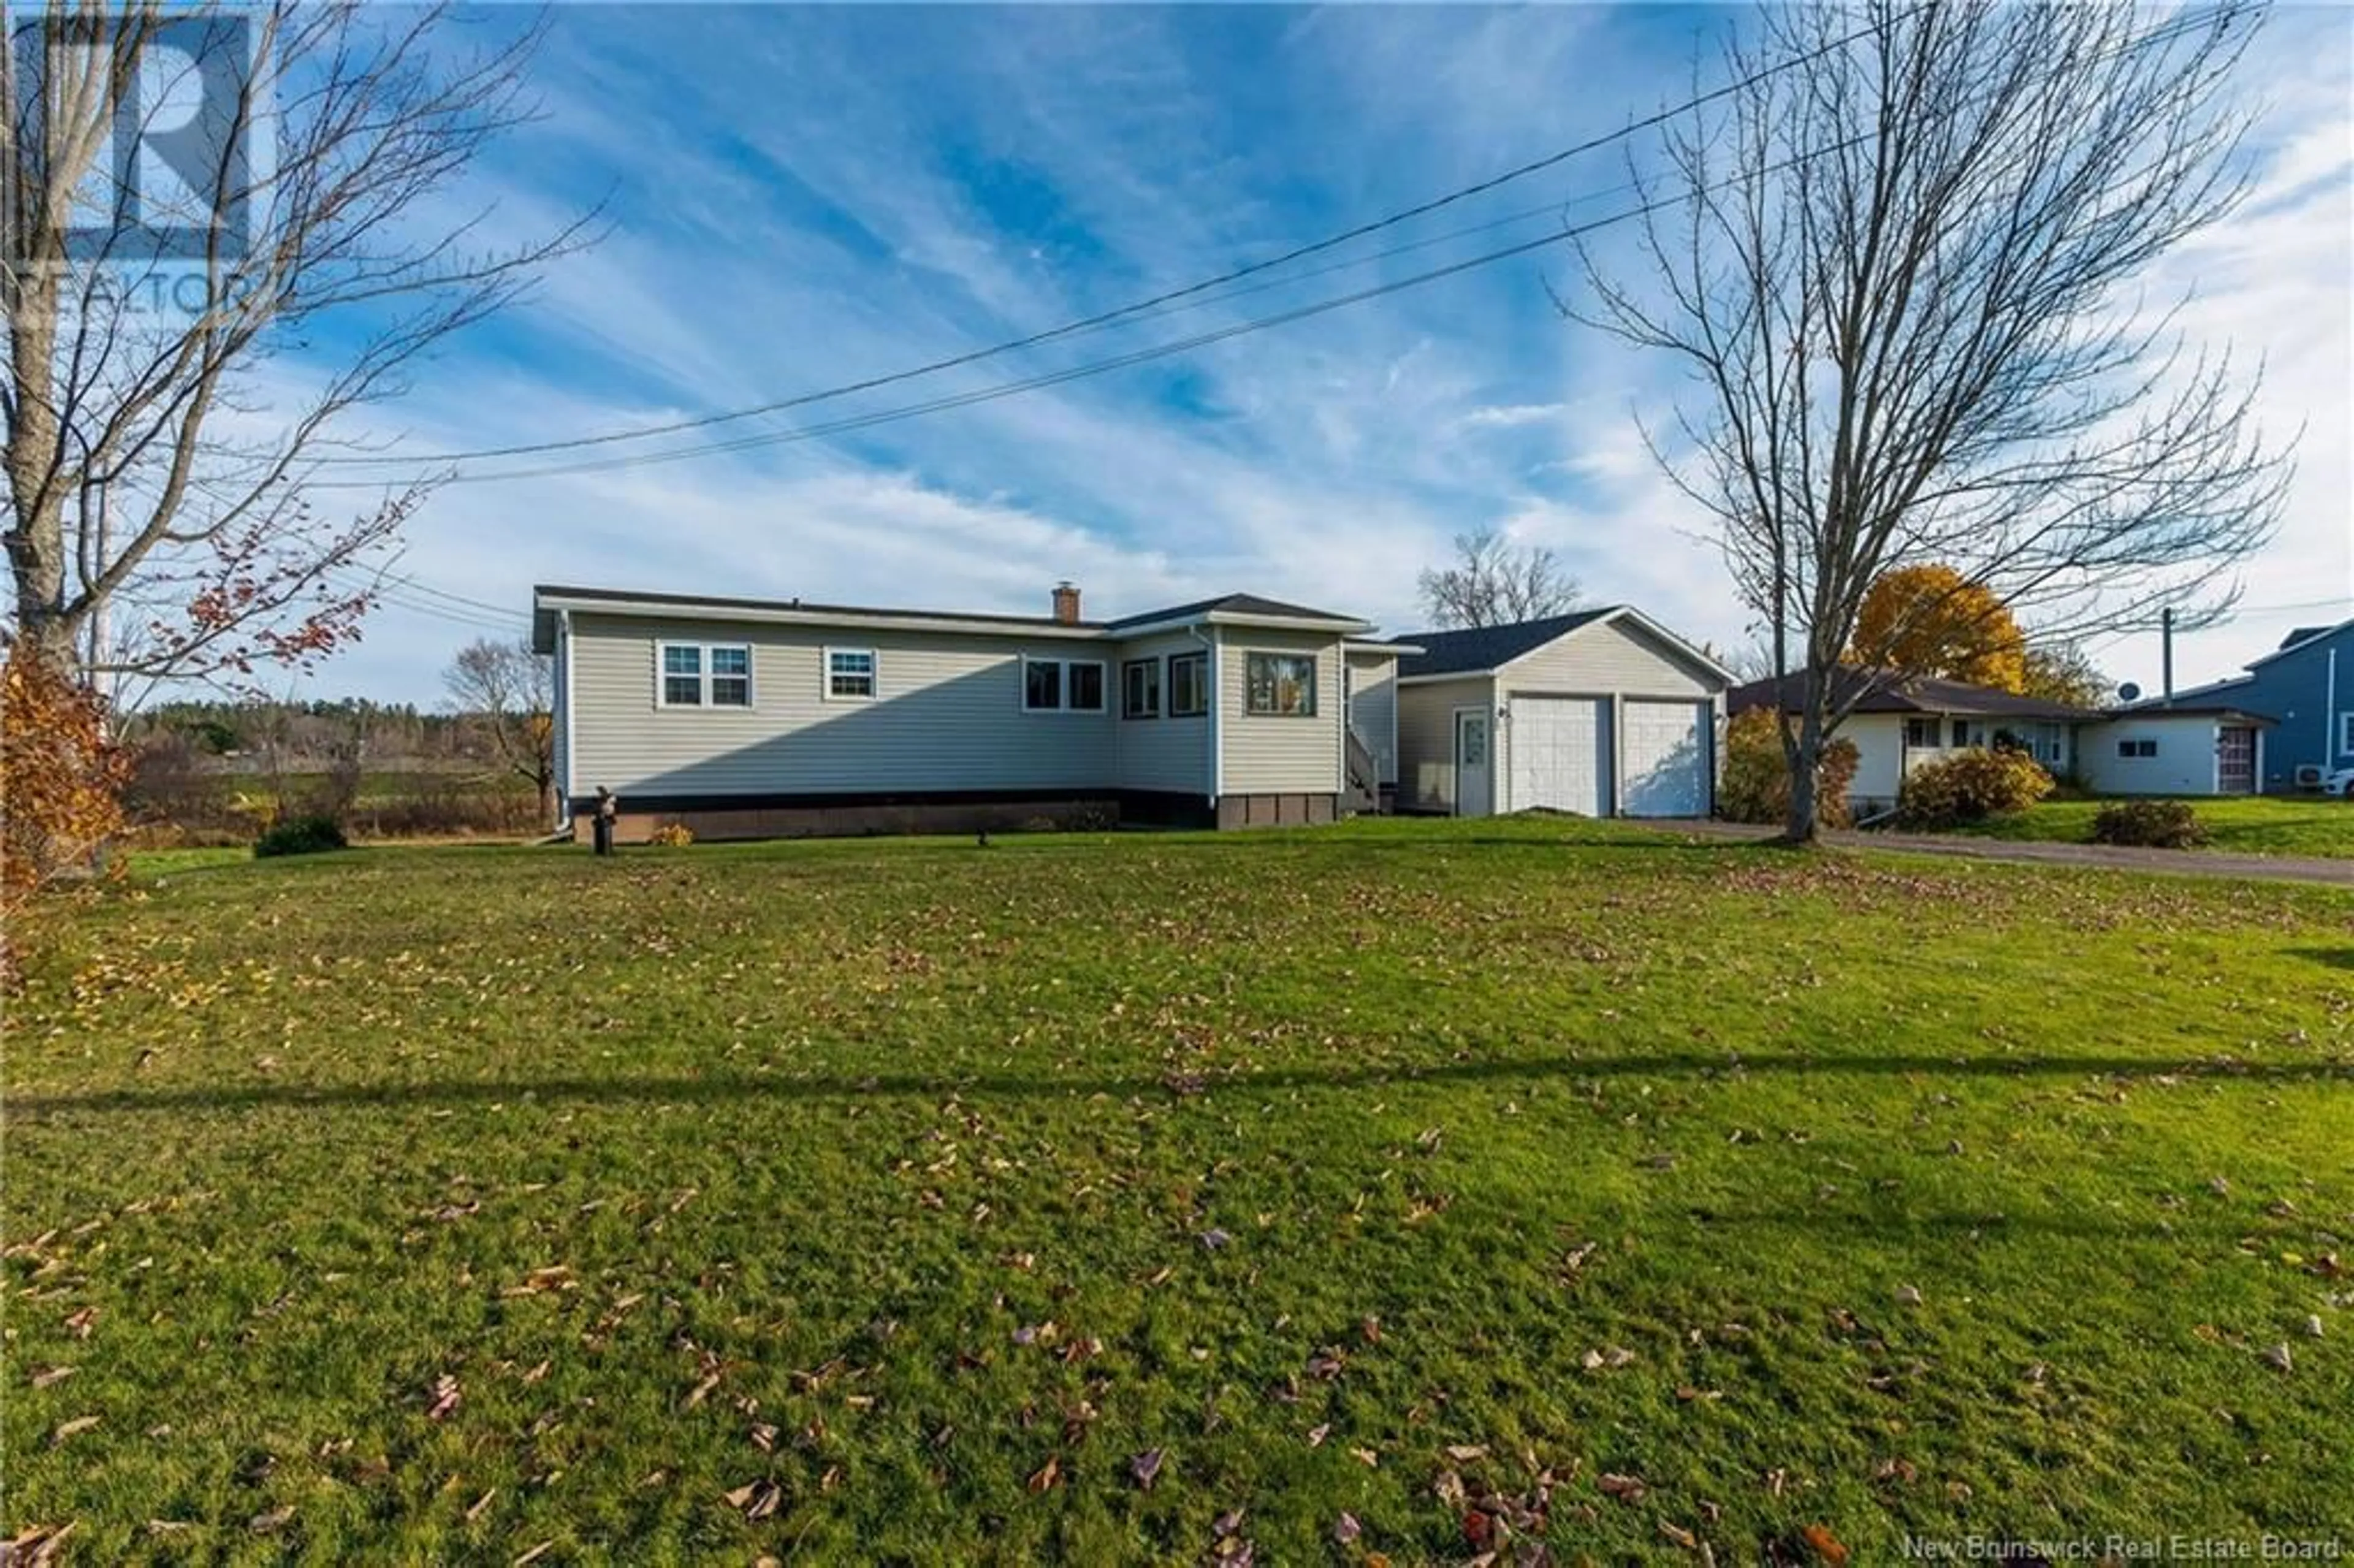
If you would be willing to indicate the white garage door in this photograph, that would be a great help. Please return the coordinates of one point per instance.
(1667, 759)
(1560, 754)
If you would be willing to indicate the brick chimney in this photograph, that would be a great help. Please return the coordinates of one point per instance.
(1066, 604)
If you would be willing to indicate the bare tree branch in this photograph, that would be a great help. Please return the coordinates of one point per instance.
(1902, 286)
(1494, 583)
(335, 135)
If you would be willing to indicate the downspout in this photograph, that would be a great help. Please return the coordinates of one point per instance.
(571, 736)
(1217, 715)
(2329, 725)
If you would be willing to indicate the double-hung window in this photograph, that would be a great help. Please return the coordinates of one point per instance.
(1139, 688)
(703, 676)
(1922, 733)
(1061, 686)
(1189, 685)
(850, 675)
(1280, 685)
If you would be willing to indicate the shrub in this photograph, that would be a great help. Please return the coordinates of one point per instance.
(2149, 824)
(1756, 782)
(1966, 786)
(672, 836)
(300, 835)
(61, 778)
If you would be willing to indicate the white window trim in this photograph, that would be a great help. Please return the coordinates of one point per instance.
(825, 675)
(2345, 732)
(1103, 687)
(1315, 708)
(703, 675)
(1160, 691)
(1169, 685)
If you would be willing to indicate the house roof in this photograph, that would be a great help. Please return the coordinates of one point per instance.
(1245, 609)
(1241, 604)
(2178, 709)
(2300, 638)
(1478, 649)
(1916, 694)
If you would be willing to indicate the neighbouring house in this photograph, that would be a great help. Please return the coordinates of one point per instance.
(752, 718)
(1602, 712)
(2297, 700)
(1900, 726)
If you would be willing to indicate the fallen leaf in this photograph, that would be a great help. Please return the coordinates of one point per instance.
(534, 1554)
(1626, 1489)
(1366, 1457)
(1680, 1536)
(1464, 1452)
(702, 1390)
(2278, 1356)
(1316, 1434)
(1046, 1475)
(1146, 1467)
(481, 1503)
(445, 1397)
(79, 1324)
(1226, 1524)
(1906, 1296)
(1213, 1240)
(1346, 1529)
(275, 1519)
(74, 1428)
(1825, 1545)
(48, 1375)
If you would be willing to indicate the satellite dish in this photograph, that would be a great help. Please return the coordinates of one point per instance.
(2129, 692)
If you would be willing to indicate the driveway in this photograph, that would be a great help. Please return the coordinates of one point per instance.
(2179, 862)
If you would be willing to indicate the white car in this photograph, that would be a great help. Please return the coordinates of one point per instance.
(2338, 783)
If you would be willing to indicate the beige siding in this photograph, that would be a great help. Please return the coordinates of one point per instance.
(1604, 658)
(1164, 754)
(1426, 739)
(1266, 754)
(1373, 709)
(949, 715)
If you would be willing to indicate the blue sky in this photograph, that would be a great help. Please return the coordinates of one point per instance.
(802, 196)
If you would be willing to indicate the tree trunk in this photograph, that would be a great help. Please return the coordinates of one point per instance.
(549, 807)
(1805, 771)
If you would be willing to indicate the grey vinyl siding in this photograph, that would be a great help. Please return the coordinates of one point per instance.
(1165, 754)
(1267, 754)
(947, 715)
(1604, 658)
(1372, 708)
(1426, 739)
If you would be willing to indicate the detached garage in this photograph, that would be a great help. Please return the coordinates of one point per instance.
(1604, 713)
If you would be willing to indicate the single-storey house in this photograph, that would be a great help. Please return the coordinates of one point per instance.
(1602, 712)
(2300, 700)
(1900, 726)
(749, 717)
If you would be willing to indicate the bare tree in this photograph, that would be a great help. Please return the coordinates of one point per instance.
(1898, 270)
(1495, 583)
(150, 471)
(510, 691)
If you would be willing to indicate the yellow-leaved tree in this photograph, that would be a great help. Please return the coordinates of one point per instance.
(1931, 620)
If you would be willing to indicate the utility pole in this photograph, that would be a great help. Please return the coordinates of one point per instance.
(2166, 652)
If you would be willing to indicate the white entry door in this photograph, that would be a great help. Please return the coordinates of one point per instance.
(1473, 795)
(1665, 759)
(1560, 752)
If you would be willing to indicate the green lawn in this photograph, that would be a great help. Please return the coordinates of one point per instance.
(889, 1200)
(2257, 824)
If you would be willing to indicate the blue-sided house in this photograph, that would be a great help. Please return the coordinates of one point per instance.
(2306, 686)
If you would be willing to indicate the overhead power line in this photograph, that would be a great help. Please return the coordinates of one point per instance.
(1125, 313)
